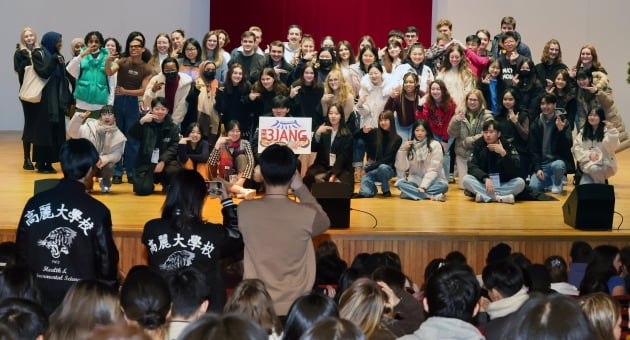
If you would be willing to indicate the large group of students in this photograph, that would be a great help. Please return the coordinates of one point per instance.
(188, 111)
(401, 111)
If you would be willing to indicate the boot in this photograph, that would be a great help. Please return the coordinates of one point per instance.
(28, 165)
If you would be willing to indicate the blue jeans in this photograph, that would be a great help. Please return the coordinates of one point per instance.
(409, 190)
(381, 174)
(359, 152)
(127, 113)
(553, 171)
(446, 162)
(513, 186)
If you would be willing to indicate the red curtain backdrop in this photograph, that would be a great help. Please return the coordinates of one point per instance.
(342, 19)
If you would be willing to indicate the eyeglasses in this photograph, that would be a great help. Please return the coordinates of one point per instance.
(135, 46)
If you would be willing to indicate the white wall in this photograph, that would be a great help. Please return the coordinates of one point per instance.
(74, 18)
(604, 24)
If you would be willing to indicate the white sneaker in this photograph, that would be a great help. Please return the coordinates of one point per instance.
(478, 198)
(104, 189)
(505, 199)
(247, 194)
(556, 189)
(439, 197)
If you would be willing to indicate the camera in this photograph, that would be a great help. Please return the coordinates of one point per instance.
(214, 188)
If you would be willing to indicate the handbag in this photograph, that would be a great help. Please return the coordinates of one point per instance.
(32, 85)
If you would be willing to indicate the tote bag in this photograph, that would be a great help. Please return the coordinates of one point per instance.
(32, 86)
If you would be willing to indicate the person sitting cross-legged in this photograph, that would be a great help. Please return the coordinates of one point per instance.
(493, 167)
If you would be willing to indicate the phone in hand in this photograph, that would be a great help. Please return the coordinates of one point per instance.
(561, 113)
(214, 188)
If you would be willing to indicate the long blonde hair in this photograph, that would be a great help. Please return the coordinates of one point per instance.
(363, 303)
(23, 44)
(344, 89)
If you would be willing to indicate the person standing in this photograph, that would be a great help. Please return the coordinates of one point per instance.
(64, 235)
(279, 247)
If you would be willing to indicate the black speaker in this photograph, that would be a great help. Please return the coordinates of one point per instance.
(590, 207)
(335, 200)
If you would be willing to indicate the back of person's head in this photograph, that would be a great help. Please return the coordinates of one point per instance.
(326, 248)
(392, 259)
(504, 276)
(280, 101)
(6, 333)
(557, 268)
(375, 261)
(7, 254)
(229, 326)
(334, 329)
(77, 156)
(604, 314)
(359, 261)
(26, 319)
(278, 164)
(184, 200)
(363, 303)
(88, 303)
(394, 278)
(145, 298)
(18, 282)
(251, 298)
(118, 331)
(432, 266)
(452, 292)
(189, 292)
(549, 317)
(581, 252)
(306, 311)
(455, 258)
(539, 279)
(346, 279)
(499, 252)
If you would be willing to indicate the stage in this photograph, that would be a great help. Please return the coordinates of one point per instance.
(417, 230)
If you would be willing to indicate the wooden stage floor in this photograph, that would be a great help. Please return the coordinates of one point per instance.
(418, 231)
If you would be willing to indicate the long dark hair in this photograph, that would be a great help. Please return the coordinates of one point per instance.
(242, 86)
(588, 133)
(445, 99)
(430, 139)
(599, 270)
(380, 133)
(343, 129)
(416, 92)
(184, 200)
(315, 85)
(517, 101)
(278, 86)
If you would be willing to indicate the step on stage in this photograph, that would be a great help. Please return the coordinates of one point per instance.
(417, 231)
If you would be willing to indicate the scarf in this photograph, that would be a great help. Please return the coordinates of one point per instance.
(104, 134)
(226, 162)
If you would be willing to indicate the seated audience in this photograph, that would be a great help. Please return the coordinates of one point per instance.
(24, 319)
(602, 272)
(118, 332)
(192, 241)
(451, 296)
(557, 268)
(579, 258)
(305, 311)
(233, 326)
(18, 281)
(250, 298)
(190, 294)
(334, 329)
(604, 313)
(365, 304)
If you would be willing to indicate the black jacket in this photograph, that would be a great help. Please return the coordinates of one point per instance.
(483, 162)
(200, 246)
(561, 143)
(64, 236)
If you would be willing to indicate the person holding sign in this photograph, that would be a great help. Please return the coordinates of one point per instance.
(234, 160)
(333, 145)
(493, 167)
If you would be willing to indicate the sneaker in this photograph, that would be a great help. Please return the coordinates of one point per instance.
(247, 194)
(104, 189)
(478, 198)
(357, 195)
(505, 199)
(439, 198)
(387, 194)
(556, 189)
(451, 179)
(117, 180)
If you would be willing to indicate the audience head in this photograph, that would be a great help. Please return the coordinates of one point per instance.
(189, 292)
(363, 303)
(433, 266)
(18, 282)
(359, 262)
(278, 165)
(452, 292)
(184, 200)
(455, 258)
(557, 268)
(334, 329)
(394, 278)
(77, 156)
(24, 318)
(7, 255)
(538, 279)
(580, 252)
(499, 252)
(502, 279)
(87, 304)
(346, 279)
(604, 313)
(251, 298)
(605, 263)
(549, 317)
(145, 299)
(229, 326)
(306, 311)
